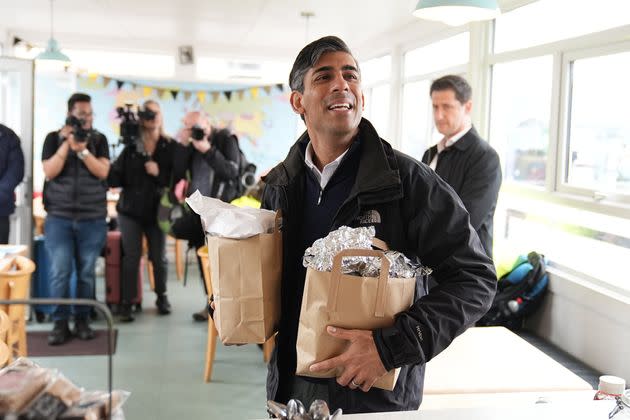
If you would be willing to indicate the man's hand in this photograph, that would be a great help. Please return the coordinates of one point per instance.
(152, 168)
(202, 146)
(76, 146)
(360, 364)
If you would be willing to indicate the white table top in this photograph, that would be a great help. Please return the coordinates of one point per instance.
(494, 359)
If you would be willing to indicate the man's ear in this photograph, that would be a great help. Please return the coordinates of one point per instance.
(468, 107)
(296, 102)
(362, 101)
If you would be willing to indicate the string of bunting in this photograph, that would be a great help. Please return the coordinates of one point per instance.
(201, 95)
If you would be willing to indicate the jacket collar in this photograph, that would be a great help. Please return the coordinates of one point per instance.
(377, 171)
(467, 140)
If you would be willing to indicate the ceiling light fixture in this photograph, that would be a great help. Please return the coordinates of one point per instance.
(457, 12)
(52, 51)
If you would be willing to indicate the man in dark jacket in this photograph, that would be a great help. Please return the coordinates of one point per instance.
(76, 163)
(462, 158)
(340, 172)
(11, 174)
(212, 157)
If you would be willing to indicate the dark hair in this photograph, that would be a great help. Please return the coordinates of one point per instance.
(310, 55)
(459, 85)
(77, 97)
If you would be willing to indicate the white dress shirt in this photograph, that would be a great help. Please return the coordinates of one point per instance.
(444, 143)
(324, 176)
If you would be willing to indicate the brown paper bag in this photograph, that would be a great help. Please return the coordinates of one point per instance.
(353, 302)
(245, 277)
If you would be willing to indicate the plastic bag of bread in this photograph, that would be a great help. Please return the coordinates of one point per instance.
(94, 405)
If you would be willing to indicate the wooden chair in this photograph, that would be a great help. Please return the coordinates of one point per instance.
(15, 282)
(211, 347)
(179, 260)
(148, 263)
(5, 324)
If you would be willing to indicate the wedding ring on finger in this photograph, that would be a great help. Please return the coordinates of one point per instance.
(355, 384)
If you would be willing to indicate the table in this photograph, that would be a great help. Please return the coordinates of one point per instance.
(494, 359)
(11, 250)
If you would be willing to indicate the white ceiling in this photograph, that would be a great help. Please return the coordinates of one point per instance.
(252, 30)
(241, 28)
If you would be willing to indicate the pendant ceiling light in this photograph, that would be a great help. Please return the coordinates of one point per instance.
(52, 51)
(457, 12)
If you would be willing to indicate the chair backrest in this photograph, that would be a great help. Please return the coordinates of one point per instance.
(15, 282)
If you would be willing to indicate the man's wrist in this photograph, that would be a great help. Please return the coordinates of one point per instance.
(83, 154)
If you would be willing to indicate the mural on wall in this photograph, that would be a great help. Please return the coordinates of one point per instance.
(260, 116)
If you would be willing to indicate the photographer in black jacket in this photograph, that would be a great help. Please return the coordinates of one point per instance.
(143, 169)
(212, 156)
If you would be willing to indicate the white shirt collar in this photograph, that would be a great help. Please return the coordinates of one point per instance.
(324, 176)
(443, 144)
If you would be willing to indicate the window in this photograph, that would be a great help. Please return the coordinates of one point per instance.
(418, 131)
(519, 117)
(449, 52)
(599, 128)
(375, 76)
(552, 20)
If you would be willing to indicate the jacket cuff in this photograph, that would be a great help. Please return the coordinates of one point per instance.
(395, 350)
(384, 351)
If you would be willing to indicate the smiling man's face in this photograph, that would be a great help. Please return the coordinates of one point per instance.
(332, 102)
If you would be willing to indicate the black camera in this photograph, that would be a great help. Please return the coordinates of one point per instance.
(197, 133)
(81, 135)
(129, 125)
(146, 114)
(248, 176)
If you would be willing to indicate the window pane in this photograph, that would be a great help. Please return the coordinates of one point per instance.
(585, 242)
(440, 55)
(417, 126)
(555, 20)
(376, 69)
(377, 108)
(599, 134)
(519, 117)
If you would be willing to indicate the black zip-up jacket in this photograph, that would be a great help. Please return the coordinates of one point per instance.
(472, 168)
(415, 212)
(141, 192)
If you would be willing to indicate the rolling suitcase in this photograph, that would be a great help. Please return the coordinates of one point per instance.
(113, 257)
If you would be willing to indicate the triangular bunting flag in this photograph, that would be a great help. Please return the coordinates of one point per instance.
(254, 93)
(174, 92)
(228, 94)
(146, 91)
(160, 92)
(133, 86)
(187, 96)
(202, 97)
(106, 81)
(280, 87)
(215, 96)
(267, 89)
(119, 84)
(92, 77)
(240, 94)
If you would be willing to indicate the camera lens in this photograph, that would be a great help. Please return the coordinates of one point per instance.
(248, 179)
(197, 133)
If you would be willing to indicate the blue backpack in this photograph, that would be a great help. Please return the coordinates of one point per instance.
(519, 293)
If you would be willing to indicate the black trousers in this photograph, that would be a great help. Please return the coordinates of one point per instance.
(131, 237)
(4, 229)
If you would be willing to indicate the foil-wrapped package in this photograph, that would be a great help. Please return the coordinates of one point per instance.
(320, 256)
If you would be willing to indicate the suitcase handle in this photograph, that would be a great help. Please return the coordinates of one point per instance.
(381, 291)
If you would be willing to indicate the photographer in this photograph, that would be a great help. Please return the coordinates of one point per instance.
(75, 160)
(212, 156)
(143, 169)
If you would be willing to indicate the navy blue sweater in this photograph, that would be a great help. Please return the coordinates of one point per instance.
(11, 168)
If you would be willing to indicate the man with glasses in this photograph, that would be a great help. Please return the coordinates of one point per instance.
(76, 163)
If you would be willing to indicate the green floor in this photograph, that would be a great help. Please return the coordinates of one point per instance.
(160, 360)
